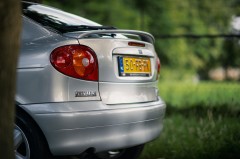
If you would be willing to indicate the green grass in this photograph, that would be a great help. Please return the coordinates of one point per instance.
(202, 122)
(196, 138)
(218, 96)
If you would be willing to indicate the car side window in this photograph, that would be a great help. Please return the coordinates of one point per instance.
(31, 30)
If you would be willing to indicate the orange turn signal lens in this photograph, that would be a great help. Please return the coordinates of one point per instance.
(83, 62)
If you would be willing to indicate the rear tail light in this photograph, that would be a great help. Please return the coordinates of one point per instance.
(76, 61)
(158, 66)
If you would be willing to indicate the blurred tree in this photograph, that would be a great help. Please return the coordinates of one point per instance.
(105, 12)
(231, 47)
(231, 57)
(9, 45)
(142, 6)
(36, 1)
(190, 17)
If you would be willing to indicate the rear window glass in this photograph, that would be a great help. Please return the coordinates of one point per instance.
(54, 18)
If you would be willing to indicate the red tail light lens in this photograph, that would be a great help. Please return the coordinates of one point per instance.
(136, 44)
(76, 61)
(159, 65)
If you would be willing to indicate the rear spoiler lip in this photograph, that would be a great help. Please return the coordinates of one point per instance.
(147, 37)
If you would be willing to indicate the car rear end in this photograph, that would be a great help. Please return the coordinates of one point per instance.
(92, 90)
(129, 112)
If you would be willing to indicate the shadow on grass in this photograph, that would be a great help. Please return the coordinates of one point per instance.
(197, 132)
(202, 111)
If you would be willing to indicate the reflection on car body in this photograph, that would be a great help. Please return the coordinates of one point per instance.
(83, 87)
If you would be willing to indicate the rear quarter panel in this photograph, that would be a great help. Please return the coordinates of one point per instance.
(37, 80)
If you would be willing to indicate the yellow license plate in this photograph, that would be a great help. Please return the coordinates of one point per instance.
(134, 66)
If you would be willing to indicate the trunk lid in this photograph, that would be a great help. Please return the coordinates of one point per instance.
(116, 87)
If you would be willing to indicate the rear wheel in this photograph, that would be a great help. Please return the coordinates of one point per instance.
(21, 145)
(28, 141)
(129, 153)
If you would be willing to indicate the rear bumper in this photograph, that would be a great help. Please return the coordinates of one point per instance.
(71, 128)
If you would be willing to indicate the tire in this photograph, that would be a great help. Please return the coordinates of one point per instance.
(28, 141)
(128, 153)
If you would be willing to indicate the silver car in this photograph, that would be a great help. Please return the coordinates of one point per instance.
(83, 88)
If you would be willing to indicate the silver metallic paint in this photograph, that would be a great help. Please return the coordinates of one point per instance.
(119, 93)
(72, 127)
(37, 80)
(108, 49)
(113, 88)
(126, 111)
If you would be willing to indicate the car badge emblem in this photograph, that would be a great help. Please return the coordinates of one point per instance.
(85, 93)
(140, 52)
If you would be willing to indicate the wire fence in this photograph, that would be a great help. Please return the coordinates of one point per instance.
(194, 36)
